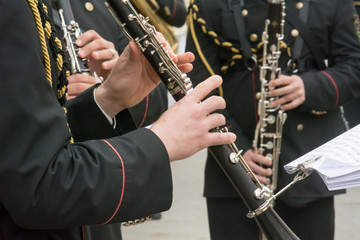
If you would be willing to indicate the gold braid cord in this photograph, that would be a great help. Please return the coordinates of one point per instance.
(356, 19)
(194, 17)
(190, 23)
(45, 30)
(34, 7)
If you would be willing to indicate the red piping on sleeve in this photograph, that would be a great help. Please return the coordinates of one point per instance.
(335, 86)
(83, 232)
(123, 183)
(174, 10)
(146, 110)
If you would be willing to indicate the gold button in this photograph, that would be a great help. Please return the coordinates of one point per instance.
(245, 12)
(300, 127)
(167, 11)
(299, 5)
(253, 37)
(89, 6)
(294, 32)
(258, 95)
(318, 112)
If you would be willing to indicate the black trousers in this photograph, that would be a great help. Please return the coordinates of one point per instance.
(352, 112)
(228, 221)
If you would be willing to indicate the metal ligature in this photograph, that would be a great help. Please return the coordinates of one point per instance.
(137, 28)
(268, 132)
(71, 32)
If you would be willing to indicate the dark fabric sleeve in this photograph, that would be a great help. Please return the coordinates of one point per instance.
(87, 121)
(150, 109)
(49, 183)
(340, 82)
(210, 51)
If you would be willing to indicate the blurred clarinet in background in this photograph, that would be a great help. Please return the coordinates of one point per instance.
(72, 31)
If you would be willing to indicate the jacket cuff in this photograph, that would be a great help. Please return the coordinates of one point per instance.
(87, 121)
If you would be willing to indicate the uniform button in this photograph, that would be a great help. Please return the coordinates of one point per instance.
(167, 11)
(89, 6)
(300, 127)
(245, 12)
(258, 95)
(295, 33)
(318, 112)
(253, 37)
(299, 5)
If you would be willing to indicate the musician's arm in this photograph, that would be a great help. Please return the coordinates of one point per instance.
(48, 182)
(340, 82)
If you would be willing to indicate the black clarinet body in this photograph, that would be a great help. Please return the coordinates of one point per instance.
(268, 132)
(228, 157)
(136, 27)
(270, 223)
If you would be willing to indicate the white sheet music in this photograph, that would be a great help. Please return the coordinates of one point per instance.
(339, 162)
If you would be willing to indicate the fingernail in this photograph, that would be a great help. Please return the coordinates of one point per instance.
(78, 42)
(217, 77)
(81, 52)
(95, 55)
(161, 38)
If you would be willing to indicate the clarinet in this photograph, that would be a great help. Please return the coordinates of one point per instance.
(71, 32)
(137, 28)
(268, 132)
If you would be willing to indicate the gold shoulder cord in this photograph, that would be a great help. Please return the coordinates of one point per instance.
(236, 51)
(62, 87)
(190, 23)
(33, 4)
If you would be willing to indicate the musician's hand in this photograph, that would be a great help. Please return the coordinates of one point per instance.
(79, 83)
(100, 52)
(289, 89)
(185, 127)
(182, 60)
(254, 160)
(131, 79)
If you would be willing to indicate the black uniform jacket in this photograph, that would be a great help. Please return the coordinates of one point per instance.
(352, 109)
(93, 15)
(49, 188)
(313, 123)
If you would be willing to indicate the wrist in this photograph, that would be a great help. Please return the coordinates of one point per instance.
(107, 102)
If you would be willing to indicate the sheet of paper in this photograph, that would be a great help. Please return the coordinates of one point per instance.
(338, 160)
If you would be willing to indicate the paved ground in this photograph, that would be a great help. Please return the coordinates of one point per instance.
(186, 220)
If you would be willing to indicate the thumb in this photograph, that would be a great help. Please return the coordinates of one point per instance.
(131, 52)
(134, 50)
